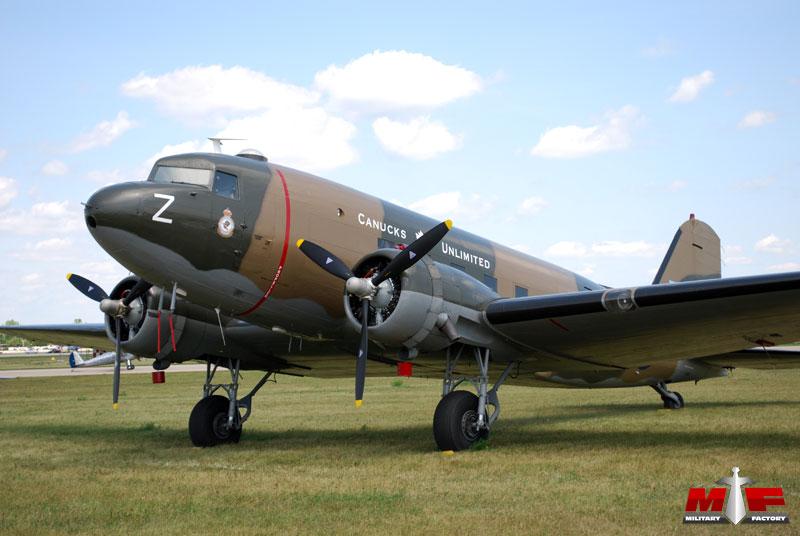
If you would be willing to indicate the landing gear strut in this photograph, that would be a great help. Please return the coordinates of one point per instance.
(672, 399)
(216, 419)
(462, 418)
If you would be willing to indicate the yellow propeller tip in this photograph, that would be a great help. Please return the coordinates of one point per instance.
(69, 275)
(448, 452)
(449, 224)
(115, 406)
(300, 242)
(358, 403)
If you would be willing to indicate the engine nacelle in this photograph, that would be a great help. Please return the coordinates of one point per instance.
(197, 332)
(425, 308)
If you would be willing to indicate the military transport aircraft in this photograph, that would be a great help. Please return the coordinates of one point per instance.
(246, 264)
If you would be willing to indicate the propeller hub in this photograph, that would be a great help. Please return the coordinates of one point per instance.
(114, 307)
(360, 287)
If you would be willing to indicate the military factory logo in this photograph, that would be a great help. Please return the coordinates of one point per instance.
(226, 225)
(706, 505)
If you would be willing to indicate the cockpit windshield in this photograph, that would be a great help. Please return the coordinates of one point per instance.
(182, 175)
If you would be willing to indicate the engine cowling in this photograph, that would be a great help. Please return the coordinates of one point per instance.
(422, 309)
(197, 332)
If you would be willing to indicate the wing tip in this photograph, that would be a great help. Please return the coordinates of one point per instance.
(300, 242)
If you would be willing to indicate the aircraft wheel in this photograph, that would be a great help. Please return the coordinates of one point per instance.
(671, 403)
(454, 421)
(207, 423)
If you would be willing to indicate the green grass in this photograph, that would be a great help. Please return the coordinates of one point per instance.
(559, 461)
(34, 361)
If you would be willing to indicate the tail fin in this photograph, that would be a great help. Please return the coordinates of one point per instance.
(693, 254)
(75, 359)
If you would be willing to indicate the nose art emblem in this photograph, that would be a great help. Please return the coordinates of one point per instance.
(226, 225)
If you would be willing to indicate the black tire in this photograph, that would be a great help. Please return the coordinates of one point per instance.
(671, 403)
(453, 419)
(206, 423)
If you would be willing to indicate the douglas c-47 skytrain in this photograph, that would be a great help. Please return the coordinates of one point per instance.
(249, 265)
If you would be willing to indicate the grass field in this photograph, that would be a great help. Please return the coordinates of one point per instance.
(559, 461)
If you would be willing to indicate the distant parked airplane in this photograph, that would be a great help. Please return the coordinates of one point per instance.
(107, 358)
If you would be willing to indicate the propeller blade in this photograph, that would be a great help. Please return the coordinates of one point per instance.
(325, 259)
(361, 358)
(138, 289)
(413, 253)
(117, 359)
(87, 288)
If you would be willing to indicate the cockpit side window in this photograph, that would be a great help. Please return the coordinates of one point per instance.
(226, 185)
(182, 175)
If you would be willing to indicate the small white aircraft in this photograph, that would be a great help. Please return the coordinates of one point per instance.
(107, 358)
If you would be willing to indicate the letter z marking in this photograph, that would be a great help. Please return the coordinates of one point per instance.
(157, 216)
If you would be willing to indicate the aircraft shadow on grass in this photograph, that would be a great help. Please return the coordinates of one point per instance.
(513, 432)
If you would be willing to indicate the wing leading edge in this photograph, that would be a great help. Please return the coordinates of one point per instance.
(87, 335)
(632, 326)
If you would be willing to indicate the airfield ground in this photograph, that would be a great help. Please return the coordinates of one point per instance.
(559, 461)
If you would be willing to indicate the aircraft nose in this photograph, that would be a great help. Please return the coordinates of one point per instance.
(112, 206)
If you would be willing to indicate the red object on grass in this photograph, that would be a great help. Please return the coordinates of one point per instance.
(159, 376)
(405, 368)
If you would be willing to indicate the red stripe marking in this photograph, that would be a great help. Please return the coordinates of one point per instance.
(158, 343)
(282, 262)
(558, 324)
(172, 333)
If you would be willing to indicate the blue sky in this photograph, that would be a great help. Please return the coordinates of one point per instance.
(577, 133)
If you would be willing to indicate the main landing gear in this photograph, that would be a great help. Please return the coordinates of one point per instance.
(672, 399)
(461, 417)
(216, 419)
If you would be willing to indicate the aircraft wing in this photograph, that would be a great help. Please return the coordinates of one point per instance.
(635, 326)
(777, 357)
(86, 335)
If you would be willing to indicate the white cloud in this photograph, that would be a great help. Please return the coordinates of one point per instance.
(103, 133)
(690, 87)
(396, 80)
(307, 138)
(454, 205)
(55, 168)
(757, 118)
(531, 205)
(420, 138)
(46, 250)
(566, 249)
(612, 134)
(587, 270)
(772, 244)
(735, 255)
(785, 267)
(29, 282)
(8, 191)
(214, 93)
(52, 217)
(608, 248)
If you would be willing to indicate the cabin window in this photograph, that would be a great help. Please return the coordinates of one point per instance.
(182, 175)
(490, 282)
(226, 185)
(520, 292)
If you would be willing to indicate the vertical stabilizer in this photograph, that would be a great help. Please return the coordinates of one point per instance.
(693, 254)
(75, 359)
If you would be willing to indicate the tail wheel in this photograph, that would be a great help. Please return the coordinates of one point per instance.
(208, 423)
(455, 421)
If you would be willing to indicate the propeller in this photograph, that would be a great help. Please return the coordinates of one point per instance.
(115, 308)
(365, 288)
